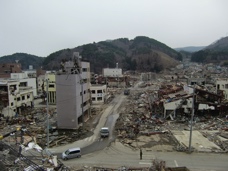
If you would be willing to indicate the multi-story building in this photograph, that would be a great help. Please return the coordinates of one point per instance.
(73, 93)
(7, 68)
(51, 88)
(222, 87)
(98, 93)
(112, 72)
(14, 97)
(30, 72)
(25, 81)
(114, 77)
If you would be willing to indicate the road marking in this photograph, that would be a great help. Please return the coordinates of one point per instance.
(176, 163)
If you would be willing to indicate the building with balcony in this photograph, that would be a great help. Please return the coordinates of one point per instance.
(25, 81)
(14, 98)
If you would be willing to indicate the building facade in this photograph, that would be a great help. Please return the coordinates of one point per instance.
(98, 93)
(7, 68)
(73, 93)
(222, 87)
(112, 72)
(25, 81)
(14, 98)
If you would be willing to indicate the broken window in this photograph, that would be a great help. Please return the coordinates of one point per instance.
(99, 99)
(28, 96)
(93, 98)
(51, 86)
(18, 99)
(93, 91)
(23, 84)
(99, 91)
(23, 97)
(226, 86)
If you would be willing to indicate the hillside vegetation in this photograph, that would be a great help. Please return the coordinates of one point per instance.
(141, 54)
(24, 59)
(216, 52)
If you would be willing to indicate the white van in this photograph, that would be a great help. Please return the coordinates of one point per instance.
(71, 153)
(104, 132)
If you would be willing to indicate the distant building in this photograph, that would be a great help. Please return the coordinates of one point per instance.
(222, 87)
(7, 68)
(98, 93)
(112, 72)
(73, 93)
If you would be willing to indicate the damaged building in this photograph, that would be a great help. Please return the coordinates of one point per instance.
(73, 93)
(14, 98)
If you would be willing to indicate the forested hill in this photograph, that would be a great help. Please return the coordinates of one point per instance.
(24, 59)
(141, 54)
(216, 52)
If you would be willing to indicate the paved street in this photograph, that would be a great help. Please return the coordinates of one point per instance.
(118, 155)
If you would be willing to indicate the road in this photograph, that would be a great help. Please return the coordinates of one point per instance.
(117, 155)
(109, 152)
(95, 142)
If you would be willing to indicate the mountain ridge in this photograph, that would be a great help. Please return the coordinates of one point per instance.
(141, 54)
(216, 52)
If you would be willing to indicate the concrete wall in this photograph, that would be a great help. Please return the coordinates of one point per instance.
(68, 101)
(69, 97)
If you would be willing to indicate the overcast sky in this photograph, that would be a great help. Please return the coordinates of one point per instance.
(41, 27)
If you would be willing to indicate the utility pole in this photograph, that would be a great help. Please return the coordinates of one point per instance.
(192, 115)
(47, 114)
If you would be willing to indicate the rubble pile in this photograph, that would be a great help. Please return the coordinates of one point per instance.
(156, 165)
(136, 122)
(142, 122)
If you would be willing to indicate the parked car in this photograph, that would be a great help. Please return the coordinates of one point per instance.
(71, 153)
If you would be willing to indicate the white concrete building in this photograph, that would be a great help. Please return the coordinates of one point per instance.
(222, 85)
(112, 72)
(98, 93)
(25, 81)
(30, 72)
(73, 93)
(14, 97)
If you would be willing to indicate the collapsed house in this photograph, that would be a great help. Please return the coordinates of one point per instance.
(155, 113)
